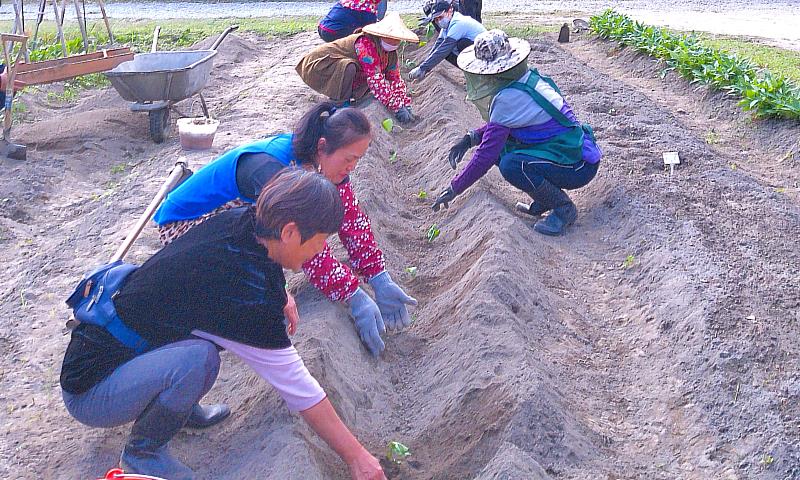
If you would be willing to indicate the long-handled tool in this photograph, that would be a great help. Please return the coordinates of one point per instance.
(179, 173)
(7, 148)
(96, 286)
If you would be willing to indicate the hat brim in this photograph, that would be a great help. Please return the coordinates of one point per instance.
(391, 26)
(426, 20)
(520, 49)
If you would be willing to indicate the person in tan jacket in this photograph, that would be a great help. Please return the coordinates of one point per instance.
(348, 68)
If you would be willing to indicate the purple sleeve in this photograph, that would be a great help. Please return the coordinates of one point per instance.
(488, 153)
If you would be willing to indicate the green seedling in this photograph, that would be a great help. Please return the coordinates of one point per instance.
(767, 460)
(118, 169)
(629, 261)
(388, 124)
(433, 233)
(411, 271)
(423, 43)
(392, 156)
(396, 452)
(712, 137)
(780, 190)
(422, 195)
(733, 166)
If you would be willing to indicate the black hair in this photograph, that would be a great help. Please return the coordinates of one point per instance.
(338, 126)
(297, 195)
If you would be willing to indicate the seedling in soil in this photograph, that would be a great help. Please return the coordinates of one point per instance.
(118, 168)
(396, 452)
(780, 190)
(388, 124)
(392, 156)
(411, 271)
(712, 137)
(422, 195)
(423, 43)
(733, 166)
(629, 261)
(433, 232)
(767, 460)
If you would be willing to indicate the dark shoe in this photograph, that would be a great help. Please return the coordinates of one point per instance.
(206, 416)
(564, 211)
(534, 208)
(146, 450)
(558, 220)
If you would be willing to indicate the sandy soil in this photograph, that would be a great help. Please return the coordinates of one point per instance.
(530, 357)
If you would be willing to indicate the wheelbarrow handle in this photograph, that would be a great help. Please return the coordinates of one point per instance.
(223, 35)
(179, 172)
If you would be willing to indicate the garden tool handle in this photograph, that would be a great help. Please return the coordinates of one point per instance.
(178, 173)
(223, 35)
(156, 31)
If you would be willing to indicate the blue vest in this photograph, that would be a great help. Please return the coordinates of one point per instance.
(214, 185)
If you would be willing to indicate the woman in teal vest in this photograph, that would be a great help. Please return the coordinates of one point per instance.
(531, 133)
(329, 140)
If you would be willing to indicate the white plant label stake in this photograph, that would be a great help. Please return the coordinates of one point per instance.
(671, 159)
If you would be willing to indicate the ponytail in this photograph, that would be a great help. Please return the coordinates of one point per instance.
(338, 126)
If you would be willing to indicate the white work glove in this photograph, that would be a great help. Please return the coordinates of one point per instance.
(416, 74)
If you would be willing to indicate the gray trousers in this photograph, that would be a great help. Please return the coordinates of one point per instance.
(178, 375)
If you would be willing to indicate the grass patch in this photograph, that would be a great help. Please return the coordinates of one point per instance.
(778, 60)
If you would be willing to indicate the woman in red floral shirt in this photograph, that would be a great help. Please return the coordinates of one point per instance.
(348, 68)
(332, 141)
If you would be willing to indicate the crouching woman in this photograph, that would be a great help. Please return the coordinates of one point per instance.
(219, 285)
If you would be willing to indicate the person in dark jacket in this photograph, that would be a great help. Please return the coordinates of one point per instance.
(221, 285)
(531, 132)
(456, 33)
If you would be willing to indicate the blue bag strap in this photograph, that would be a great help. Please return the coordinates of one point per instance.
(126, 336)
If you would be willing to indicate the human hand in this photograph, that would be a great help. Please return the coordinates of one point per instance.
(416, 74)
(444, 199)
(392, 301)
(291, 314)
(366, 467)
(404, 115)
(458, 150)
(368, 320)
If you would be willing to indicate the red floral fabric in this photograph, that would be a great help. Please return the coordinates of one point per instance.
(389, 88)
(361, 5)
(328, 274)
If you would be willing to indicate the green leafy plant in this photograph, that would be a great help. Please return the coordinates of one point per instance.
(422, 195)
(118, 168)
(629, 262)
(396, 452)
(412, 270)
(392, 156)
(432, 233)
(762, 92)
(387, 124)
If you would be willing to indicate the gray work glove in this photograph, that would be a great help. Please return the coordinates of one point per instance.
(368, 320)
(417, 74)
(444, 199)
(392, 301)
(404, 115)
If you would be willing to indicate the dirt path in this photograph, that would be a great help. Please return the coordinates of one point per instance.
(530, 357)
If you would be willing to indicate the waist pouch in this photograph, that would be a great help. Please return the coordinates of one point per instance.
(92, 302)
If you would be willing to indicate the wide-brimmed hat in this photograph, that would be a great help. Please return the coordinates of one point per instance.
(493, 52)
(391, 26)
(434, 9)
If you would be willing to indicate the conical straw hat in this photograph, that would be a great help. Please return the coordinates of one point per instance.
(391, 26)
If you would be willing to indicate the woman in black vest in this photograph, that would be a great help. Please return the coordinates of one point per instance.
(221, 285)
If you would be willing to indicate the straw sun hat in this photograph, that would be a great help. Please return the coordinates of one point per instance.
(391, 26)
(493, 52)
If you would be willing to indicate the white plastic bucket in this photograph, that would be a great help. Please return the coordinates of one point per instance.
(197, 133)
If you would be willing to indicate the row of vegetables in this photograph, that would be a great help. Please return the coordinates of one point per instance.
(760, 91)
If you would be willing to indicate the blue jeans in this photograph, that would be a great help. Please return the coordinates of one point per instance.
(178, 375)
(527, 173)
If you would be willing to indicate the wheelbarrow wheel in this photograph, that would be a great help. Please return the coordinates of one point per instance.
(159, 124)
